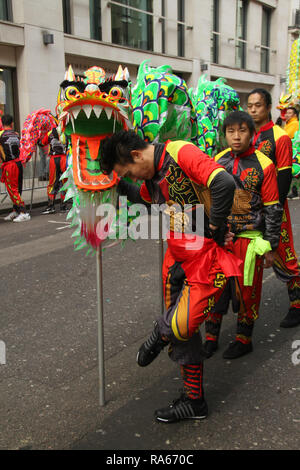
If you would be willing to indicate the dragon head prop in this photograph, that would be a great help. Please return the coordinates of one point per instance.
(90, 109)
(287, 101)
(162, 108)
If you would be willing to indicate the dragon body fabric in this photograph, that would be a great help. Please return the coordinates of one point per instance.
(35, 127)
(159, 107)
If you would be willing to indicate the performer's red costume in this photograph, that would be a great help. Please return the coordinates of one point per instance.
(57, 166)
(195, 269)
(256, 208)
(12, 169)
(275, 143)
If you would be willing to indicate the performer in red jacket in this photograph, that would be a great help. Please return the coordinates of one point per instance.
(276, 144)
(12, 169)
(57, 166)
(178, 173)
(255, 218)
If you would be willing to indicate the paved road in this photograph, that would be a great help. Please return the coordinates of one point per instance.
(49, 385)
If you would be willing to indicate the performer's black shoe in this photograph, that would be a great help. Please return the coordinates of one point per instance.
(182, 408)
(292, 318)
(63, 208)
(293, 193)
(209, 348)
(49, 210)
(151, 348)
(237, 349)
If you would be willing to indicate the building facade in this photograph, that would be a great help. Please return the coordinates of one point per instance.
(245, 41)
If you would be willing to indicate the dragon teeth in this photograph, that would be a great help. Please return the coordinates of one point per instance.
(108, 112)
(76, 111)
(88, 110)
(97, 110)
(72, 121)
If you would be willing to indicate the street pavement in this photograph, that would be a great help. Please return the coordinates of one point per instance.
(49, 384)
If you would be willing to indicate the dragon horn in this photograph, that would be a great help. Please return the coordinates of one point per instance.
(126, 74)
(120, 73)
(69, 75)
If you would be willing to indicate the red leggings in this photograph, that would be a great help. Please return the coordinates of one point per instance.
(57, 166)
(12, 177)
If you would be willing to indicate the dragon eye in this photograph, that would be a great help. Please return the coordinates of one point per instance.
(116, 92)
(71, 92)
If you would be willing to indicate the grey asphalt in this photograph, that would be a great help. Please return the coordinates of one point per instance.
(49, 386)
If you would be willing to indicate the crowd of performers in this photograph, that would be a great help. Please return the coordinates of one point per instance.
(247, 229)
(12, 169)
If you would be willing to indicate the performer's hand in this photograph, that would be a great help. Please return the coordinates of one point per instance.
(229, 238)
(219, 234)
(269, 259)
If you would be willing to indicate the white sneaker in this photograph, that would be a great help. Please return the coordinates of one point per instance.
(22, 217)
(11, 216)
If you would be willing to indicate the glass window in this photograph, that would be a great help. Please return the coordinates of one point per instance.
(132, 27)
(181, 28)
(6, 91)
(5, 10)
(265, 40)
(241, 34)
(215, 31)
(67, 16)
(95, 19)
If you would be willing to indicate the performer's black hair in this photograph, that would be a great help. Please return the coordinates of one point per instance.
(7, 119)
(239, 117)
(117, 149)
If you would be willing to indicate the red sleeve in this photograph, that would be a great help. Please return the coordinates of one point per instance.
(144, 193)
(284, 152)
(196, 164)
(269, 189)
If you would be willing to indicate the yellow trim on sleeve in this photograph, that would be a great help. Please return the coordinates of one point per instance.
(173, 148)
(219, 155)
(278, 132)
(270, 203)
(263, 159)
(213, 174)
(284, 168)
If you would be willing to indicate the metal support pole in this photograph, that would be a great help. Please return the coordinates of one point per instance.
(32, 186)
(161, 258)
(100, 327)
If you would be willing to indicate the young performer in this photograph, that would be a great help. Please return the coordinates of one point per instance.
(255, 218)
(12, 169)
(194, 275)
(57, 166)
(275, 143)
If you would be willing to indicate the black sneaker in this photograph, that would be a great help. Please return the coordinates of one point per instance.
(49, 210)
(292, 318)
(151, 348)
(209, 348)
(63, 208)
(237, 349)
(293, 193)
(182, 408)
